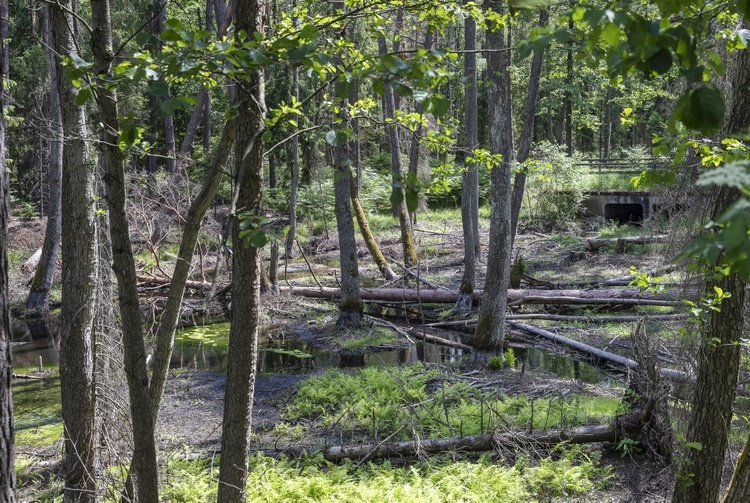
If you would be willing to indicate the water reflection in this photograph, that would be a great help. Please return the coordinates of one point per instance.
(205, 348)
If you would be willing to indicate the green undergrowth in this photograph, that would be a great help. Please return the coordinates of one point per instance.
(426, 403)
(367, 337)
(570, 472)
(37, 413)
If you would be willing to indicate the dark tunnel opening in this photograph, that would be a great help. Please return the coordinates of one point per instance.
(624, 213)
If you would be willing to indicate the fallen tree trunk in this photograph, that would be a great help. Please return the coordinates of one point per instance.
(596, 352)
(564, 317)
(594, 244)
(623, 427)
(159, 280)
(624, 296)
(32, 262)
(416, 332)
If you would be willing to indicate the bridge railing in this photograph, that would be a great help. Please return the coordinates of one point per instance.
(621, 166)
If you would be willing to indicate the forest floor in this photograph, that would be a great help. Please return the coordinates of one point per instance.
(191, 412)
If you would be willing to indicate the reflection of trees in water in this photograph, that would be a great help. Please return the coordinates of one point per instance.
(35, 337)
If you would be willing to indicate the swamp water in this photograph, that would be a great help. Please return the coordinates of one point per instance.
(205, 348)
(37, 401)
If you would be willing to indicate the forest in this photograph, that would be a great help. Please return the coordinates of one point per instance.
(374, 250)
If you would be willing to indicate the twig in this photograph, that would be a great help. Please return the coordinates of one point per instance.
(309, 267)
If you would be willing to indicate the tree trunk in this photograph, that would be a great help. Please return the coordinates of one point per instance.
(350, 307)
(294, 183)
(491, 321)
(7, 456)
(397, 172)
(524, 146)
(730, 320)
(41, 284)
(243, 333)
(569, 93)
(79, 265)
(193, 219)
(113, 164)
(416, 144)
(470, 189)
(613, 297)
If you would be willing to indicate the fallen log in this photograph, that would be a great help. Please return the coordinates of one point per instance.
(627, 427)
(32, 262)
(415, 332)
(624, 296)
(676, 375)
(159, 280)
(595, 244)
(570, 318)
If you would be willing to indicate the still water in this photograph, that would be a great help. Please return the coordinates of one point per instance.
(205, 348)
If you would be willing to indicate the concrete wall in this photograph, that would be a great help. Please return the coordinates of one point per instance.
(603, 205)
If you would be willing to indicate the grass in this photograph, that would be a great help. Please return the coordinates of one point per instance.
(380, 400)
(571, 473)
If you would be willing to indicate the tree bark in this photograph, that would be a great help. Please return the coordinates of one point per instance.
(246, 268)
(350, 307)
(294, 183)
(699, 478)
(79, 265)
(621, 428)
(416, 145)
(470, 189)
(7, 453)
(397, 172)
(113, 164)
(196, 212)
(491, 322)
(628, 296)
(41, 283)
(725, 325)
(78, 276)
(524, 146)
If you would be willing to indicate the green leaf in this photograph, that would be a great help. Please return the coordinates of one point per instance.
(159, 88)
(171, 36)
(735, 174)
(170, 106)
(267, 135)
(660, 62)
(336, 138)
(701, 109)
(83, 95)
(437, 105)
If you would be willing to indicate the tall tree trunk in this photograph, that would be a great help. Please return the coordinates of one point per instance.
(350, 308)
(7, 454)
(113, 164)
(470, 189)
(243, 334)
(397, 172)
(491, 321)
(524, 146)
(712, 407)
(41, 283)
(415, 147)
(699, 477)
(569, 93)
(79, 266)
(294, 184)
(196, 212)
